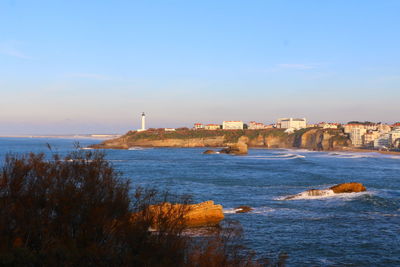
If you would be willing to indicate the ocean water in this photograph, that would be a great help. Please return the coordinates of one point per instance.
(358, 229)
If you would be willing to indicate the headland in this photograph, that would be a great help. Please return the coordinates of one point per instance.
(310, 138)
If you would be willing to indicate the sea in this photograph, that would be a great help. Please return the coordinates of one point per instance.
(353, 229)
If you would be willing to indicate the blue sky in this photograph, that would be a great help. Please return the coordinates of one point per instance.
(94, 66)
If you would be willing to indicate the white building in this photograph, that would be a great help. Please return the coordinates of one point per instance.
(169, 129)
(232, 125)
(198, 126)
(290, 123)
(370, 137)
(212, 127)
(356, 136)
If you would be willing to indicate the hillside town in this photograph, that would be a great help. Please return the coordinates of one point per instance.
(368, 135)
(362, 134)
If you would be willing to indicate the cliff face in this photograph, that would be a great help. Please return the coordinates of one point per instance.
(312, 138)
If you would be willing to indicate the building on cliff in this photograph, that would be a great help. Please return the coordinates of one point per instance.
(327, 125)
(198, 126)
(256, 125)
(232, 125)
(290, 123)
(212, 127)
(356, 136)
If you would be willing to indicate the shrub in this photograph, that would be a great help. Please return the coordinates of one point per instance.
(77, 210)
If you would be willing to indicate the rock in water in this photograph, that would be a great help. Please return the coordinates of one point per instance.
(195, 215)
(243, 209)
(209, 152)
(239, 148)
(348, 188)
(337, 189)
(204, 214)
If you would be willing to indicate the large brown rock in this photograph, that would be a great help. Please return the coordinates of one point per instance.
(239, 148)
(348, 188)
(203, 214)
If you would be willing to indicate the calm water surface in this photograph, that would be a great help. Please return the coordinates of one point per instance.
(361, 229)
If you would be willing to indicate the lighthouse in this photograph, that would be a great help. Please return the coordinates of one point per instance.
(143, 122)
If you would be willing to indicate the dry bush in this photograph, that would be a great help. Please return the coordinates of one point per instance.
(77, 210)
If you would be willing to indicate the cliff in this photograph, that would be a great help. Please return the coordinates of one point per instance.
(310, 138)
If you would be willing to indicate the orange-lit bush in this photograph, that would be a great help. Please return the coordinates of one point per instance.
(77, 210)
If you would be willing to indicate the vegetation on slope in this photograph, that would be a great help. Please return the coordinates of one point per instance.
(184, 133)
(77, 211)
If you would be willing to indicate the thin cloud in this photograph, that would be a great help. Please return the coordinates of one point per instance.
(10, 48)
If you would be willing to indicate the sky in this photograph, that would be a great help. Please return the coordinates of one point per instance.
(75, 66)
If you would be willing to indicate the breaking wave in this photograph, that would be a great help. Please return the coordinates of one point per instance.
(350, 155)
(277, 157)
(259, 210)
(139, 148)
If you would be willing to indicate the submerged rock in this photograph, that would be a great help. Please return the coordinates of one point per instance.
(311, 193)
(191, 215)
(348, 188)
(243, 209)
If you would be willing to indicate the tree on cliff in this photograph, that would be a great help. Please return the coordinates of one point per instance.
(76, 211)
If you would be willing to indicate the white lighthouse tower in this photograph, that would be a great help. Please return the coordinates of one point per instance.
(143, 122)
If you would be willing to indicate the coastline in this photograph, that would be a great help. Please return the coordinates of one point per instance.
(344, 149)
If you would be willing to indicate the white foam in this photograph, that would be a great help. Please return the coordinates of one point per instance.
(136, 148)
(259, 210)
(277, 157)
(351, 155)
(310, 194)
(230, 211)
(321, 194)
(263, 210)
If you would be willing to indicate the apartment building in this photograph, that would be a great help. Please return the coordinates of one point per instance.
(356, 136)
(290, 123)
(232, 125)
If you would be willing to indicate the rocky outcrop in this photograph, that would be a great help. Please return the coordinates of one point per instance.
(195, 215)
(239, 148)
(348, 188)
(337, 189)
